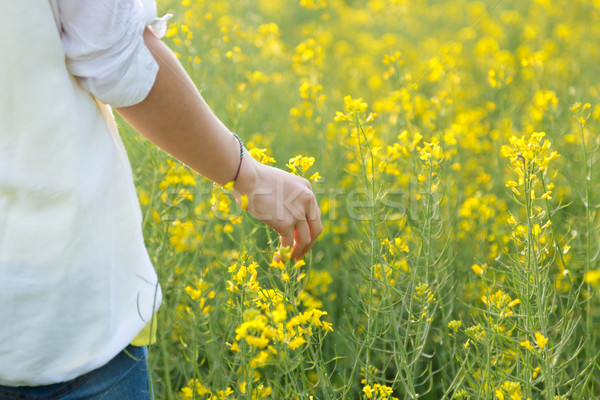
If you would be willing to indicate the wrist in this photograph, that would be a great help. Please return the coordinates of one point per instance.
(247, 175)
(242, 151)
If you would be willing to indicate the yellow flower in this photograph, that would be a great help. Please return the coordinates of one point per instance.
(527, 345)
(479, 269)
(529, 155)
(355, 108)
(193, 389)
(327, 326)
(224, 394)
(368, 391)
(315, 177)
(277, 263)
(313, 4)
(299, 165)
(340, 116)
(431, 151)
(592, 277)
(514, 303)
(261, 156)
(354, 105)
(296, 342)
(513, 389)
(541, 340)
(454, 325)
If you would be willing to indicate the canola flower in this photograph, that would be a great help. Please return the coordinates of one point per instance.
(195, 388)
(529, 157)
(300, 164)
(261, 155)
(509, 390)
(378, 392)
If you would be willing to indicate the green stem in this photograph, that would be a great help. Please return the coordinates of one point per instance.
(588, 243)
(369, 184)
(167, 371)
(529, 328)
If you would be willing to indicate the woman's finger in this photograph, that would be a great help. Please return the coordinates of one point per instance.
(316, 227)
(287, 237)
(302, 239)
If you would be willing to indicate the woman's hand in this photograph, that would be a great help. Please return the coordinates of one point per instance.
(283, 201)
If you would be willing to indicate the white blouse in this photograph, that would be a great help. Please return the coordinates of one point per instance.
(76, 282)
(105, 50)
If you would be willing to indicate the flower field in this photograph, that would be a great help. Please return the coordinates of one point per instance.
(453, 147)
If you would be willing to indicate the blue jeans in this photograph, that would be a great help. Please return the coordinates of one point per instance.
(125, 377)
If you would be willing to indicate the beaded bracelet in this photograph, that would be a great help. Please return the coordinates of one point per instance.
(241, 156)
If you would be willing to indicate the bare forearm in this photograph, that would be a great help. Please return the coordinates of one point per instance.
(176, 118)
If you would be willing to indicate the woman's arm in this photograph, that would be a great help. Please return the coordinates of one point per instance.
(176, 118)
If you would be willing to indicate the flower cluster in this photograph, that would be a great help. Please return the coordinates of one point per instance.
(529, 158)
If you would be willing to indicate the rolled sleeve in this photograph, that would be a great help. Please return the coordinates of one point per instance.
(105, 50)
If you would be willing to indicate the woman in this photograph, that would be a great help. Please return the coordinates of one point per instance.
(76, 283)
